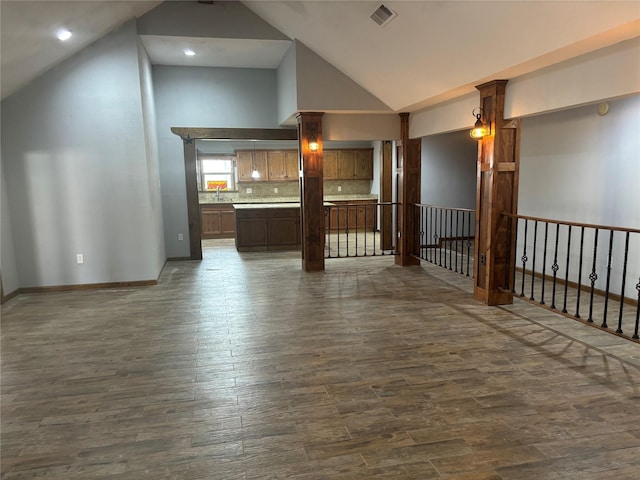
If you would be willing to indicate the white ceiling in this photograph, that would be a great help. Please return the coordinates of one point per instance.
(432, 51)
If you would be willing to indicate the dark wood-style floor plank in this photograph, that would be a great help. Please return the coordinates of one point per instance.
(244, 367)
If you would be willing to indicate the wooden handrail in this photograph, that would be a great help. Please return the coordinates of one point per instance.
(445, 208)
(573, 224)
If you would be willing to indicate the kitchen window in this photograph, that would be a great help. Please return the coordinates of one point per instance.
(217, 173)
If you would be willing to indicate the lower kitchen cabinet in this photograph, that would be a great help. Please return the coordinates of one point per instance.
(267, 228)
(357, 214)
(217, 221)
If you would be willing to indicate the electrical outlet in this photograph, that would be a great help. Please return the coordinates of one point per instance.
(339, 188)
(249, 190)
(180, 236)
(79, 258)
(275, 190)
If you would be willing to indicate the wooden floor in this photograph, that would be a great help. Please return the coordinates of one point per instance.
(244, 367)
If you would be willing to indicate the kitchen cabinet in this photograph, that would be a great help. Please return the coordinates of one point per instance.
(268, 227)
(282, 165)
(330, 165)
(247, 161)
(355, 164)
(217, 220)
(354, 215)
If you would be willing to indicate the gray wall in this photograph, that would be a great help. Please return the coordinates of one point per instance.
(576, 165)
(580, 166)
(448, 173)
(8, 267)
(156, 246)
(203, 97)
(76, 171)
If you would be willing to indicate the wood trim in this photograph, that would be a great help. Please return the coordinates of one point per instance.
(85, 286)
(188, 135)
(178, 259)
(9, 296)
(573, 224)
(235, 133)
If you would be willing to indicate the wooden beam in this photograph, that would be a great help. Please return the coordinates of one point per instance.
(236, 133)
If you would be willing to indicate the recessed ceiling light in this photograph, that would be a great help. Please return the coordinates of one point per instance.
(63, 34)
(188, 52)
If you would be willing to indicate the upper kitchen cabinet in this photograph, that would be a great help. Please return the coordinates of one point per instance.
(355, 164)
(282, 165)
(330, 164)
(363, 169)
(248, 160)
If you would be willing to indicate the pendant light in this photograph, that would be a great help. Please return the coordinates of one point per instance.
(254, 173)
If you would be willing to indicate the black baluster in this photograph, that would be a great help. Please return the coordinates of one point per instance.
(328, 236)
(423, 226)
(515, 246)
(577, 315)
(347, 230)
(509, 247)
(357, 209)
(440, 238)
(608, 282)
(378, 214)
(524, 256)
(457, 235)
(432, 230)
(450, 237)
(544, 261)
(593, 276)
(635, 331)
(566, 276)
(555, 267)
(624, 281)
(469, 240)
(533, 260)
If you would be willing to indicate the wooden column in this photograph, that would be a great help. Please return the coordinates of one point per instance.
(408, 191)
(193, 202)
(312, 221)
(496, 193)
(386, 196)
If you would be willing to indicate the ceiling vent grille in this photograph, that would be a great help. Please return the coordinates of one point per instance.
(383, 15)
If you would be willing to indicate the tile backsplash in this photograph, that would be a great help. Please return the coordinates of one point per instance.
(266, 190)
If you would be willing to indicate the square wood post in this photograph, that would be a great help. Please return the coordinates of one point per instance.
(408, 192)
(312, 221)
(193, 201)
(496, 193)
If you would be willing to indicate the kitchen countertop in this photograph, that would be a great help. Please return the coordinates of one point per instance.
(255, 206)
(289, 200)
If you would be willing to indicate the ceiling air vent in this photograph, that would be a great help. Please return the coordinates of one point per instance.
(383, 15)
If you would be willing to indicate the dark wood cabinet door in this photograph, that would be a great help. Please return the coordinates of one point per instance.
(217, 220)
(228, 222)
(210, 223)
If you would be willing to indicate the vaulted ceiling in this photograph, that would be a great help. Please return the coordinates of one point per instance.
(430, 52)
